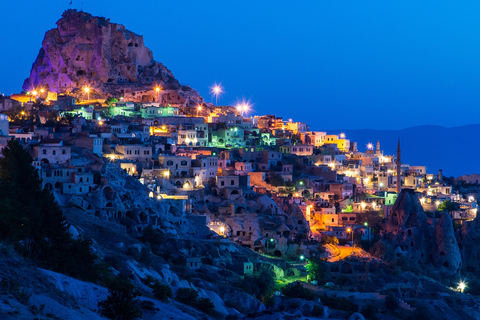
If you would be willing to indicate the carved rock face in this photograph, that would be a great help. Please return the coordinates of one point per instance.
(469, 237)
(417, 240)
(446, 251)
(90, 51)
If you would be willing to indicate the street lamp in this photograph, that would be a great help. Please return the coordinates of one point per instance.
(268, 246)
(87, 91)
(302, 258)
(157, 91)
(217, 90)
(366, 225)
(353, 244)
(199, 108)
(462, 286)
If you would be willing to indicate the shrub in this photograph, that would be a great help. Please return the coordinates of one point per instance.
(188, 296)
(122, 302)
(260, 284)
(296, 290)
(205, 305)
(161, 291)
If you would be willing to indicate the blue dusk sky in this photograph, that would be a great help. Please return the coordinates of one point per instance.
(333, 64)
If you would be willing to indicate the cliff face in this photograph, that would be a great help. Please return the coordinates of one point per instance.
(91, 51)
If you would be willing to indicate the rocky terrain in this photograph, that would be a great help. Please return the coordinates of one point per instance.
(88, 51)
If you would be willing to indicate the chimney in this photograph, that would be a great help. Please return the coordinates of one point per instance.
(440, 175)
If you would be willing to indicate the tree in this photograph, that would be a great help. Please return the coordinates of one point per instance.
(122, 302)
(448, 206)
(32, 220)
(27, 212)
(316, 268)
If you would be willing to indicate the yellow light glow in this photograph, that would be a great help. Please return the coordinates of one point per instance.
(22, 113)
(166, 174)
(150, 194)
(222, 230)
(370, 146)
(363, 205)
(296, 195)
(164, 128)
(199, 108)
(422, 200)
(100, 122)
(437, 203)
(349, 230)
(342, 135)
(158, 89)
(42, 90)
(462, 286)
(86, 89)
(34, 93)
(112, 157)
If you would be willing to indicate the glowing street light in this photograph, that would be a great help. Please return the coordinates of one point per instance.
(157, 91)
(462, 286)
(199, 108)
(216, 90)
(42, 90)
(34, 92)
(268, 244)
(87, 91)
(222, 230)
(370, 146)
(351, 230)
(342, 135)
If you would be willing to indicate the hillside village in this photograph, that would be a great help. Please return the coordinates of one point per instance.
(229, 195)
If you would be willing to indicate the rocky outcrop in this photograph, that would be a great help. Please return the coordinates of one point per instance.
(446, 251)
(408, 230)
(417, 239)
(85, 50)
(468, 242)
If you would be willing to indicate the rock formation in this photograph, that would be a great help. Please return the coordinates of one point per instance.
(415, 238)
(87, 51)
(408, 229)
(446, 253)
(468, 242)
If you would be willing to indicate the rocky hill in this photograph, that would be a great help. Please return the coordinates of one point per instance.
(88, 51)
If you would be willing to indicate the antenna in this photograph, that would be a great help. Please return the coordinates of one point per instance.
(81, 7)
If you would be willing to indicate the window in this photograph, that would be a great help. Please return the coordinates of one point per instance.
(222, 183)
(232, 182)
(183, 163)
(63, 151)
(44, 151)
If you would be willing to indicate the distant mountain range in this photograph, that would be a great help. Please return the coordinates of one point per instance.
(456, 150)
